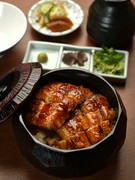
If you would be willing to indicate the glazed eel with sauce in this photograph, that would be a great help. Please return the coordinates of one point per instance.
(67, 116)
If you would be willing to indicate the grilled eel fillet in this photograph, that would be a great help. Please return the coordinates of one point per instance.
(54, 103)
(78, 117)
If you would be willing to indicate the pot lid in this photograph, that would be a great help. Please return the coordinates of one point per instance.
(16, 86)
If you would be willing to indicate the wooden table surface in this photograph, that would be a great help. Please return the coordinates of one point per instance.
(13, 165)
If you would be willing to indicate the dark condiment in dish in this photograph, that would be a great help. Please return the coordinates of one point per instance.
(78, 58)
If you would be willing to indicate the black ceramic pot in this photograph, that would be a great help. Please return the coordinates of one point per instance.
(111, 22)
(71, 163)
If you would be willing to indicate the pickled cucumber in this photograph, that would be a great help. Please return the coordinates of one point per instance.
(45, 8)
(50, 11)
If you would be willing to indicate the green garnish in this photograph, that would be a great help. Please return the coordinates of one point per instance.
(108, 61)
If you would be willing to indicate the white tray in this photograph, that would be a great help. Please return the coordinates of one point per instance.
(55, 52)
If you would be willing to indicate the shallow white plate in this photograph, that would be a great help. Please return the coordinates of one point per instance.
(75, 13)
(13, 26)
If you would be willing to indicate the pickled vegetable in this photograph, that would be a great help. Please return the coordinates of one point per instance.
(58, 10)
(45, 8)
(54, 16)
(60, 24)
(42, 57)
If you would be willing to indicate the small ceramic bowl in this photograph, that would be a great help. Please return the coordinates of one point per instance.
(13, 25)
(79, 162)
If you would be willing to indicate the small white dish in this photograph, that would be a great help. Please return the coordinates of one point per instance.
(113, 77)
(74, 11)
(55, 52)
(13, 25)
(52, 51)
